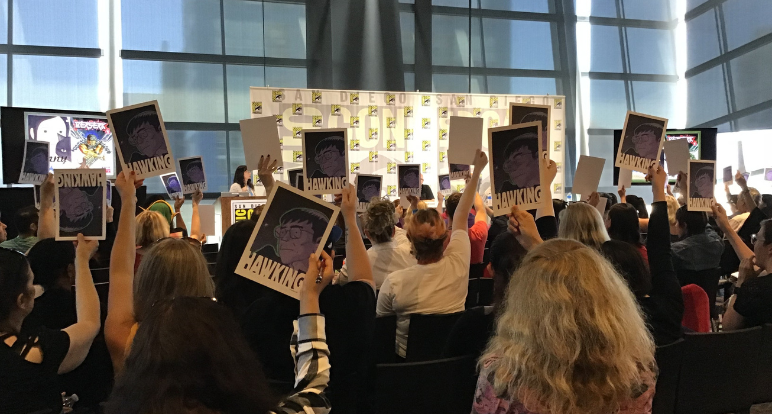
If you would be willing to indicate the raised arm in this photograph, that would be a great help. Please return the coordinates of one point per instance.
(195, 219)
(739, 246)
(440, 201)
(120, 299)
(357, 261)
(83, 332)
(550, 171)
(745, 194)
(479, 209)
(460, 221)
(46, 217)
(309, 347)
(179, 221)
(663, 275)
(265, 169)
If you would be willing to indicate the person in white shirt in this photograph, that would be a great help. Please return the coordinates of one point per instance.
(438, 283)
(391, 248)
(242, 181)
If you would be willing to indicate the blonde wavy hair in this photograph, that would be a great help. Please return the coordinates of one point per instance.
(583, 223)
(151, 226)
(570, 338)
(169, 269)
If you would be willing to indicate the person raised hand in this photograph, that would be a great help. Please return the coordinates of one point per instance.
(265, 169)
(593, 199)
(719, 214)
(413, 200)
(197, 197)
(681, 182)
(622, 191)
(550, 171)
(125, 183)
(739, 178)
(318, 276)
(178, 202)
(480, 160)
(658, 179)
(348, 202)
(523, 226)
(46, 218)
(85, 248)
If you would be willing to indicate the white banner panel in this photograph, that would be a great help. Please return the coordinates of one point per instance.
(390, 128)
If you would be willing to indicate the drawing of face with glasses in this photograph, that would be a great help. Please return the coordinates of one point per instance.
(145, 135)
(703, 183)
(646, 140)
(331, 158)
(369, 190)
(298, 235)
(521, 162)
(411, 179)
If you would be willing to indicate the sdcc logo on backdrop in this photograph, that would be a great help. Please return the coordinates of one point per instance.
(426, 123)
(426, 167)
(391, 122)
(443, 135)
(558, 103)
(391, 190)
(443, 112)
(257, 108)
(297, 109)
(426, 145)
(296, 131)
(281, 143)
(408, 156)
(353, 98)
(316, 97)
(390, 99)
(354, 121)
(391, 145)
(354, 145)
(279, 120)
(426, 100)
(461, 101)
(372, 133)
(391, 168)
(494, 102)
(408, 111)
(372, 110)
(477, 112)
(408, 134)
(316, 120)
(443, 156)
(278, 95)
(335, 110)
(373, 156)
(354, 167)
(297, 156)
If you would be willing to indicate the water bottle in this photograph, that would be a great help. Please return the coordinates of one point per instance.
(569, 196)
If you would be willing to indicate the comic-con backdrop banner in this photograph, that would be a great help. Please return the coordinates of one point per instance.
(389, 128)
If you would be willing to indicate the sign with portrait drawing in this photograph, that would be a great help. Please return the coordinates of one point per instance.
(641, 143)
(325, 165)
(192, 174)
(142, 142)
(34, 167)
(80, 202)
(368, 187)
(701, 185)
(516, 170)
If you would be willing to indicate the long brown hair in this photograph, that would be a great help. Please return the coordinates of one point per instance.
(189, 355)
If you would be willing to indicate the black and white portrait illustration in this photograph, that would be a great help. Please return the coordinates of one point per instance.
(642, 140)
(409, 176)
(368, 187)
(80, 203)
(524, 113)
(458, 171)
(35, 166)
(172, 185)
(142, 141)
(326, 161)
(444, 184)
(192, 174)
(295, 178)
(292, 227)
(702, 181)
(515, 168)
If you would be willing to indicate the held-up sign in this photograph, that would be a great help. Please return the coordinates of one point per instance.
(515, 168)
(292, 227)
(80, 202)
(642, 140)
(701, 185)
(368, 187)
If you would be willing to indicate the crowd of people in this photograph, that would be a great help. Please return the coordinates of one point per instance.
(581, 299)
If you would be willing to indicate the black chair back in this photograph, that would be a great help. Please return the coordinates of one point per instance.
(209, 248)
(486, 255)
(337, 262)
(707, 280)
(485, 288)
(669, 363)
(428, 334)
(444, 386)
(477, 271)
(763, 382)
(704, 389)
(472, 294)
(384, 339)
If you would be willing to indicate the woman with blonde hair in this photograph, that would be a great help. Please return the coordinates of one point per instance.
(570, 339)
(582, 222)
(170, 268)
(151, 227)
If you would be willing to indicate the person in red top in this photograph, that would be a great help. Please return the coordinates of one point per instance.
(478, 232)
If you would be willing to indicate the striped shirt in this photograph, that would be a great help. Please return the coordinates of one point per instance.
(312, 368)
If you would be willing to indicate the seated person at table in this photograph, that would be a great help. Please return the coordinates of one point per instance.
(478, 232)
(26, 222)
(438, 283)
(700, 247)
(391, 248)
(751, 304)
(426, 191)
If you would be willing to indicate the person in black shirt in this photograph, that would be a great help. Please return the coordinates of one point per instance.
(751, 304)
(350, 320)
(656, 288)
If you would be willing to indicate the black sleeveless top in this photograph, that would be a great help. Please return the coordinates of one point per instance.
(25, 386)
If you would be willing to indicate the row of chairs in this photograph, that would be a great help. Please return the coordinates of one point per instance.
(715, 373)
